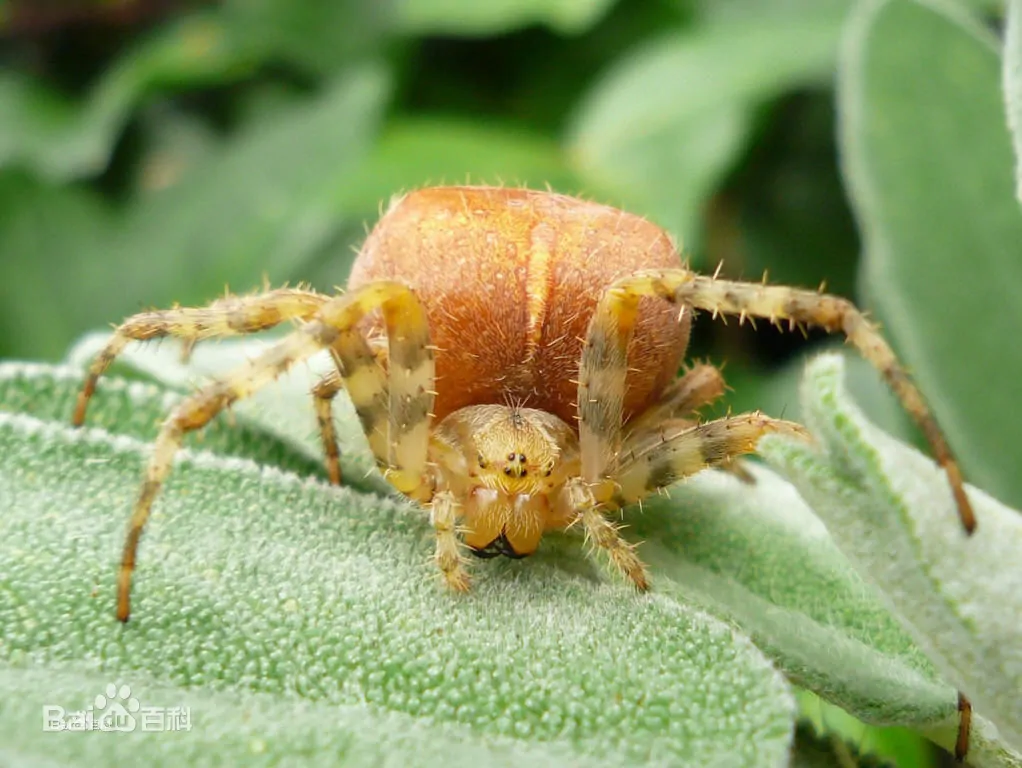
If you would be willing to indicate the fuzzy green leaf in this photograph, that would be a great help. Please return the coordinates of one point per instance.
(273, 605)
(890, 510)
(929, 164)
(755, 555)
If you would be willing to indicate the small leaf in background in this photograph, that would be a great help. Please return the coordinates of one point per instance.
(263, 206)
(661, 128)
(469, 17)
(48, 289)
(317, 36)
(928, 162)
(821, 722)
(890, 511)
(60, 140)
(542, 659)
(415, 152)
(1013, 83)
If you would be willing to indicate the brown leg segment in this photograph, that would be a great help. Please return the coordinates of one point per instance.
(230, 316)
(964, 724)
(408, 339)
(603, 358)
(323, 395)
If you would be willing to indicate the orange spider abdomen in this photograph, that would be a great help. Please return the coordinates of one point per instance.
(509, 279)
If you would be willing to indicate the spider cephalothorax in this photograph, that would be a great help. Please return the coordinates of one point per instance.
(466, 299)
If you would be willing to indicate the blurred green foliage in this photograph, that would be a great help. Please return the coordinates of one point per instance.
(156, 151)
(153, 152)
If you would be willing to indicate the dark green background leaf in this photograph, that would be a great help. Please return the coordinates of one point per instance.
(929, 161)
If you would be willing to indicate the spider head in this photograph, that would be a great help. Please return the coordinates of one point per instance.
(506, 463)
(507, 449)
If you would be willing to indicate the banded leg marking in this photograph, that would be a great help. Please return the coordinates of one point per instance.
(395, 403)
(600, 395)
(700, 385)
(230, 316)
(338, 315)
(657, 459)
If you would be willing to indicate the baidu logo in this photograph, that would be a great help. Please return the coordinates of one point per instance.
(116, 710)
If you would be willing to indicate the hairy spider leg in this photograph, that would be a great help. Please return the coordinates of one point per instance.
(449, 558)
(700, 385)
(230, 316)
(676, 449)
(323, 395)
(655, 459)
(406, 392)
(601, 383)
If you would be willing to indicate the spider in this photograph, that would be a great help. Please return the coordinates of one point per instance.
(512, 356)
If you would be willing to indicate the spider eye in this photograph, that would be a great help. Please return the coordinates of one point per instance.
(521, 458)
(511, 457)
(481, 460)
(507, 471)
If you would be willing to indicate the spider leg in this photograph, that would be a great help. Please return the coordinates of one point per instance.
(229, 316)
(407, 397)
(603, 358)
(448, 556)
(323, 395)
(677, 449)
(602, 533)
(699, 386)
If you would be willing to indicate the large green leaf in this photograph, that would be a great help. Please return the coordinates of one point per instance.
(756, 556)
(47, 290)
(928, 161)
(298, 619)
(659, 130)
(890, 510)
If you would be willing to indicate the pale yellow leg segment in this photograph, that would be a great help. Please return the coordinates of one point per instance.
(323, 395)
(605, 535)
(659, 458)
(336, 316)
(448, 556)
(613, 323)
(229, 316)
(394, 405)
